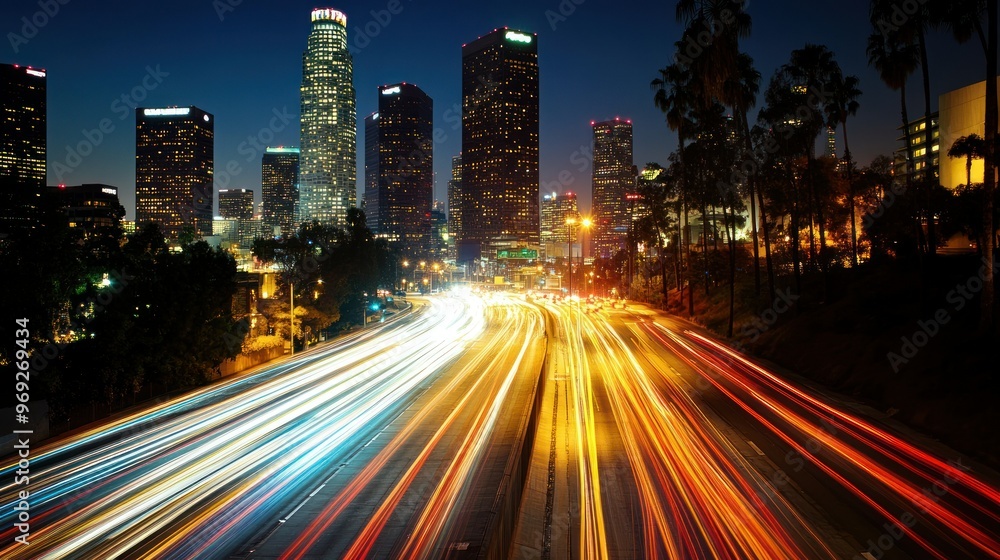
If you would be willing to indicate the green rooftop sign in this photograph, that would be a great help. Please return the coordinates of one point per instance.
(519, 254)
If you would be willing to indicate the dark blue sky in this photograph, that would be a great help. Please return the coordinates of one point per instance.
(246, 66)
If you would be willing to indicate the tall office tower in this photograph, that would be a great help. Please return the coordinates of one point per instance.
(831, 142)
(500, 139)
(174, 161)
(236, 203)
(89, 209)
(328, 164)
(370, 204)
(613, 179)
(403, 165)
(556, 209)
(280, 187)
(455, 197)
(22, 144)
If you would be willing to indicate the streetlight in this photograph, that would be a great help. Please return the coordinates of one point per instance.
(406, 264)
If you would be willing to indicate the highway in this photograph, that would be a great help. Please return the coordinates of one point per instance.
(376, 445)
(651, 440)
(662, 443)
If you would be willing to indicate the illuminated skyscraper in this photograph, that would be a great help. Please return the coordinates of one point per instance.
(22, 144)
(280, 187)
(455, 196)
(613, 178)
(371, 172)
(500, 139)
(556, 208)
(328, 164)
(236, 203)
(399, 167)
(174, 162)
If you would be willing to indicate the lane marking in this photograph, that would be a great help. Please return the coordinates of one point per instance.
(755, 448)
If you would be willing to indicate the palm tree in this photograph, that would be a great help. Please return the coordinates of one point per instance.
(844, 103)
(740, 93)
(720, 59)
(810, 71)
(970, 147)
(672, 97)
(895, 61)
(913, 31)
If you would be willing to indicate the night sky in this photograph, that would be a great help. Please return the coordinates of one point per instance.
(246, 66)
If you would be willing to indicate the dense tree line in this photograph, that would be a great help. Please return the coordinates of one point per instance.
(818, 216)
(335, 273)
(113, 317)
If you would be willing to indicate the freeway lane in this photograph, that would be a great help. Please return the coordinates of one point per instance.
(725, 460)
(209, 474)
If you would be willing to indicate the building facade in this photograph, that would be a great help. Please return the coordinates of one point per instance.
(328, 159)
(22, 144)
(613, 179)
(499, 186)
(455, 199)
(236, 203)
(370, 203)
(174, 166)
(912, 160)
(962, 113)
(280, 187)
(399, 168)
(88, 208)
(556, 209)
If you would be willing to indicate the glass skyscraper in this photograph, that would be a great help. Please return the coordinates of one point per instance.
(613, 179)
(328, 158)
(280, 187)
(399, 156)
(22, 145)
(236, 203)
(174, 166)
(500, 139)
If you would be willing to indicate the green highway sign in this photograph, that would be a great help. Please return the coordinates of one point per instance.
(519, 254)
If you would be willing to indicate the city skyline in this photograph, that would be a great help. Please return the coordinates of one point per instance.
(220, 70)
